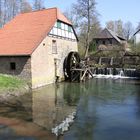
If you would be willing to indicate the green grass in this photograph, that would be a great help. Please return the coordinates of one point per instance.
(10, 83)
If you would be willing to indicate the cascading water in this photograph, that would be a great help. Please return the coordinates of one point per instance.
(100, 61)
(115, 73)
(121, 73)
(111, 61)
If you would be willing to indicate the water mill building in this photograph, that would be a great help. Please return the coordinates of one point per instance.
(33, 46)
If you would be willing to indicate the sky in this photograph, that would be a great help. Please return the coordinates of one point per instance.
(126, 10)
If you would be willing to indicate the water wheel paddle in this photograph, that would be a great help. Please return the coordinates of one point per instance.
(71, 61)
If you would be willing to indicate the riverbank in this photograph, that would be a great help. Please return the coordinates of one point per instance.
(10, 85)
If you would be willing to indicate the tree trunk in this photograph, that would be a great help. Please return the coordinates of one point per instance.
(88, 31)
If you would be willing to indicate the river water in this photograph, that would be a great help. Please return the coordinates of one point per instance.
(106, 109)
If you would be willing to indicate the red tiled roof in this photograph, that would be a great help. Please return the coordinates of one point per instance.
(25, 32)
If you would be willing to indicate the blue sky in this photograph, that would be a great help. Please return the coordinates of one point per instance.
(126, 10)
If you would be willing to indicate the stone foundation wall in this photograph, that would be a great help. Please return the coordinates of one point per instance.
(22, 63)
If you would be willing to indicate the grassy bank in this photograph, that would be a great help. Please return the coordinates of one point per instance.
(10, 83)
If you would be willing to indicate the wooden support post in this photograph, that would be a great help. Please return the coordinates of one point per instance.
(81, 72)
(84, 75)
(89, 71)
(80, 75)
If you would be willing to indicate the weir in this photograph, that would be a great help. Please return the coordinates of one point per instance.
(115, 73)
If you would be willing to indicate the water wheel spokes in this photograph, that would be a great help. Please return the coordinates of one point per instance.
(71, 62)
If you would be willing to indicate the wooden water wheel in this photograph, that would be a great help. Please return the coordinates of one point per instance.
(72, 61)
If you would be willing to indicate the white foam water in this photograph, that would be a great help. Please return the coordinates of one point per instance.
(102, 76)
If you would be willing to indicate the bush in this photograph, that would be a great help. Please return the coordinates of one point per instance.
(135, 48)
(112, 53)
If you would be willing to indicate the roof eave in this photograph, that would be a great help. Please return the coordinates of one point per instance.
(15, 55)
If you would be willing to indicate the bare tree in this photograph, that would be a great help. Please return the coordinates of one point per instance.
(1, 14)
(10, 8)
(94, 31)
(69, 13)
(122, 29)
(5, 5)
(115, 26)
(138, 26)
(110, 25)
(13, 8)
(85, 10)
(119, 27)
(25, 6)
(38, 4)
(128, 30)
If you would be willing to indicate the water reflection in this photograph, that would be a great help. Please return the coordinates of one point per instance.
(19, 107)
(106, 109)
(52, 104)
(138, 103)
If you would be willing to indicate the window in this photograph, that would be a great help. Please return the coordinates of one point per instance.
(110, 41)
(63, 26)
(54, 47)
(103, 42)
(66, 27)
(69, 28)
(12, 66)
(59, 25)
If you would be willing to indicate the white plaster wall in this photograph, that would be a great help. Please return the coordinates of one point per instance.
(42, 61)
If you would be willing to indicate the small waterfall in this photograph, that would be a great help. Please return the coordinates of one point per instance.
(111, 61)
(130, 72)
(110, 71)
(100, 61)
(115, 73)
(121, 73)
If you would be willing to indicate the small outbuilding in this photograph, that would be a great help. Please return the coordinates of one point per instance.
(108, 40)
(33, 46)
